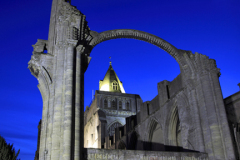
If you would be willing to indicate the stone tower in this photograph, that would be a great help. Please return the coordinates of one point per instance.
(111, 82)
(60, 73)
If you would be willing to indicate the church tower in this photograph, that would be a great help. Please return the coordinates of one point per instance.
(111, 82)
(108, 111)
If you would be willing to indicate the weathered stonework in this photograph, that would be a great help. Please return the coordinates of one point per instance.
(92, 154)
(188, 114)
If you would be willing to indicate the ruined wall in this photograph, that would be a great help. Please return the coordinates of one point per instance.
(92, 154)
(91, 127)
(232, 105)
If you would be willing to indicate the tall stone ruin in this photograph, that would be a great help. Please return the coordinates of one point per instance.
(196, 99)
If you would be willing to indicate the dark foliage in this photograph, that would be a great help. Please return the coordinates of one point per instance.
(7, 151)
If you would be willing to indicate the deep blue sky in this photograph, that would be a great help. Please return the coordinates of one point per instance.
(210, 27)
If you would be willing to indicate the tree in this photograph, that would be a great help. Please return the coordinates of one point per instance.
(7, 151)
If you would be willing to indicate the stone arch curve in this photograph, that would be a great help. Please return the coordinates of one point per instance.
(140, 35)
(153, 123)
(116, 123)
(171, 122)
(155, 135)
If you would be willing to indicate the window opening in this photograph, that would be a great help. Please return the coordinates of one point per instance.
(105, 103)
(120, 104)
(148, 108)
(113, 104)
(127, 106)
(115, 86)
(168, 94)
(111, 129)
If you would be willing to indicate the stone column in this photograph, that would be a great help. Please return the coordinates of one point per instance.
(222, 117)
(214, 140)
(69, 105)
(43, 137)
(215, 128)
(79, 108)
(58, 102)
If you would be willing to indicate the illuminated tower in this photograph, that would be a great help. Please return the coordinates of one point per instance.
(108, 110)
(111, 82)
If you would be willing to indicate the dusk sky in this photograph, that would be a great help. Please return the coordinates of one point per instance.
(209, 27)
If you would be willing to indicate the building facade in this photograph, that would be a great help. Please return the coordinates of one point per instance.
(108, 111)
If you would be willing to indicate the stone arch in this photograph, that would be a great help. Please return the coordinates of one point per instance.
(45, 81)
(140, 35)
(171, 129)
(183, 58)
(153, 129)
(155, 135)
(111, 127)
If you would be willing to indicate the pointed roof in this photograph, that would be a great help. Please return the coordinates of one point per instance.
(111, 82)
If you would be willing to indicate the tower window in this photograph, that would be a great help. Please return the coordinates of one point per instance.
(115, 86)
(105, 103)
(113, 104)
(120, 104)
(127, 106)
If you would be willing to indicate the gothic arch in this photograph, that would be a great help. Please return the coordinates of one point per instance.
(135, 34)
(140, 35)
(112, 126)
(172, 123)
(155, 135)
(154, 131)
(183, 58)
(45, 82)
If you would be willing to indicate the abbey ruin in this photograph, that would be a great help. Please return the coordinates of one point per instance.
(188, 119)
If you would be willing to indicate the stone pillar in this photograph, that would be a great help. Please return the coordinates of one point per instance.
(68, 123)
(43, 137)
(222, 117)
(218, 143)
(58, 102)
(79, 104)
(213, 141)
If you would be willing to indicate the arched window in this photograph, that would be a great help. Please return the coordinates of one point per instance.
(127, 106)
(120, 105)
(105, 103)
(113, 104)
(115, 86)
(111, 129)
(155, 135)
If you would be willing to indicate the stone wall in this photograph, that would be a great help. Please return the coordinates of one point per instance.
(232, 105)
(100, 154)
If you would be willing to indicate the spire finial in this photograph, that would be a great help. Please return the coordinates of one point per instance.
(110, 63)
